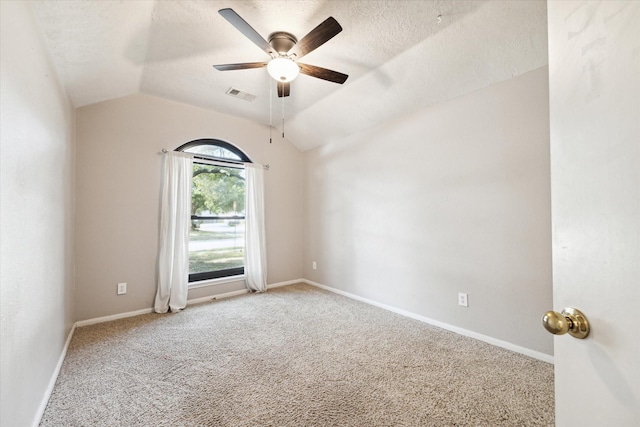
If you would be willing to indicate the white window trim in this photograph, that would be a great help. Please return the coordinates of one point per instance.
(216, 282)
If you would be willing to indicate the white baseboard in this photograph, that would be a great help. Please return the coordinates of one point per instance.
(287, 283)
(490, 340)
(216, 297)
(240, 292)
(52, 382)
(113, 317)
(189, 302)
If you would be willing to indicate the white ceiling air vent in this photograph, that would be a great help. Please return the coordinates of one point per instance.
(240, 94)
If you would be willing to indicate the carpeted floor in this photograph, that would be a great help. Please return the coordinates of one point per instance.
(293, 356)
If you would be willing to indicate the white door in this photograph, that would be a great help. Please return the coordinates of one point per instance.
(594, 83)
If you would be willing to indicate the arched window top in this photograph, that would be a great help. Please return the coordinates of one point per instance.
(215, 149)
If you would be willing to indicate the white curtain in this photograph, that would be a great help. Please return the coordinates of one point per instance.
(255, 253)
(175, 215)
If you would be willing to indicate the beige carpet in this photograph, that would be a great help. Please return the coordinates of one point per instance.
(294, 356)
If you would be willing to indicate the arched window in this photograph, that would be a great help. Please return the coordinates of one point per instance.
(215, 149)
(216, 238)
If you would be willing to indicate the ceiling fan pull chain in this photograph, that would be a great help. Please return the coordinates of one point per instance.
(283, 117)
(270, 111)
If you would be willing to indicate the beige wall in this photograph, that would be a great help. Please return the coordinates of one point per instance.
(118, 185)
(453, 198)
(36, 211)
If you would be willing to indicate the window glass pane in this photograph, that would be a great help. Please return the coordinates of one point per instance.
(213, 151)
(217, 191)
(216, 245)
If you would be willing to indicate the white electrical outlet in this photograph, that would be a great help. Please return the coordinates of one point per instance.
(314, 266)
(462, 300)
(122, 288)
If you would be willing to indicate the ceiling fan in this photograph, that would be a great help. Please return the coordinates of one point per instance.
(285, 50)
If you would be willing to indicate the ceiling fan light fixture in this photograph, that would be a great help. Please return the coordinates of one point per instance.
(283, 69)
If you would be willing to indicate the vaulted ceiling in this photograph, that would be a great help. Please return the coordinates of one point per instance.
(401, 56)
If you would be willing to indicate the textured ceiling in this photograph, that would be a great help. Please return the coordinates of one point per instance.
(398, 56)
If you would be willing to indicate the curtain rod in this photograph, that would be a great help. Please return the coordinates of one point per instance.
(165, 151)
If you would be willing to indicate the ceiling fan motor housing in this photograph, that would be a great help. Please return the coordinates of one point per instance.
(282, 42)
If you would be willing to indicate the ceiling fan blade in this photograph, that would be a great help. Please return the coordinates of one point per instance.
(316, 37)
(283, 89)
(241, 66)
(323, 73)
(246, 29)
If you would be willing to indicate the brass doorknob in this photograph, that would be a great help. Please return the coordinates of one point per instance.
(570, 320)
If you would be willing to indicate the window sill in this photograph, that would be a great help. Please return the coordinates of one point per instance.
(215, 282)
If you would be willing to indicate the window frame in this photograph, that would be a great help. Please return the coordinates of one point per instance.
(226, 162)
(216, 143)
